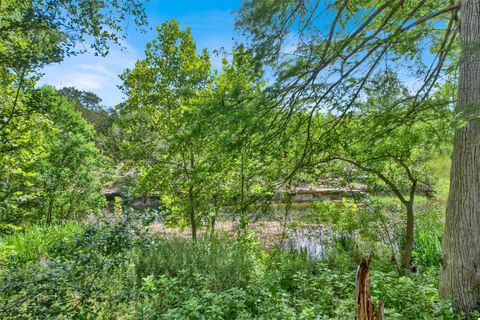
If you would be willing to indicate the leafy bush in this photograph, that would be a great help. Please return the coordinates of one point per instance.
(73, 281)
(412, 296)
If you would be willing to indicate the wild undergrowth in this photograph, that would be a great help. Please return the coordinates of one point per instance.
(119, 271)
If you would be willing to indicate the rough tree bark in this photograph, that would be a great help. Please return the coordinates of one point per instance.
(460, 269)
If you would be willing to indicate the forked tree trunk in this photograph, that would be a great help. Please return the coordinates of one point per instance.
(460, 269)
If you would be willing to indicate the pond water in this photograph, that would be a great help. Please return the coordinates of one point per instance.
(313, 242)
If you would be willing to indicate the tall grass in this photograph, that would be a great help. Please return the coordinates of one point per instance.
(36, 242)
(224, 262)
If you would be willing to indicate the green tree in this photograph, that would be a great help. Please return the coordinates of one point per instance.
(70, 175)
(164, 91)
(56, 173)
(33, 34)
(238, 130)
(399, 162)
(24, 147)
(340, 45)
(99, 116)
(41, 32)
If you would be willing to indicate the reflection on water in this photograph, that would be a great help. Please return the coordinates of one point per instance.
(312, 242)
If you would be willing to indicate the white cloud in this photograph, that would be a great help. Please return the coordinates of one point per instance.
(87, 81)
(93, 73)
(211, 29)
(98, 69)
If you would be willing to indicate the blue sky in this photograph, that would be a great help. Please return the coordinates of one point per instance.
(211, 23)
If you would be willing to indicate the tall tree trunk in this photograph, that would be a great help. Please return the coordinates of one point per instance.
(193, 223)
(191, 198)
(460, 269)
(213, 218)
(407, 252)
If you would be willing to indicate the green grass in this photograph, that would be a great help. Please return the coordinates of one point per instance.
(35, 242)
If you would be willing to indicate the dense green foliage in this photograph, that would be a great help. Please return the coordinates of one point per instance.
(57, 174)
(225, 148)
(196, 137)
(160, 117)
(48, 159)
(99, 116)
(110, 271)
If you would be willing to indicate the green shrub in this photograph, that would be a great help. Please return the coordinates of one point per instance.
(412, 296)
(76, 281)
